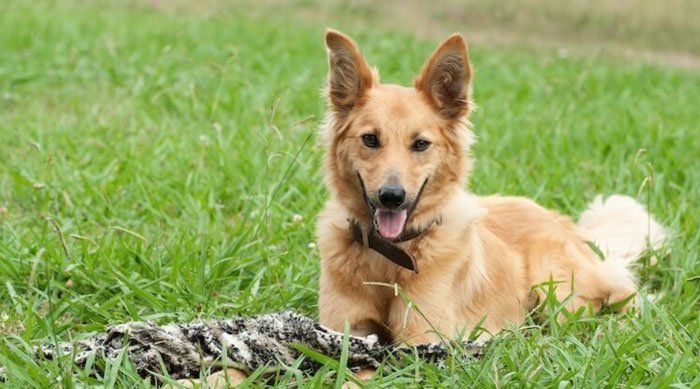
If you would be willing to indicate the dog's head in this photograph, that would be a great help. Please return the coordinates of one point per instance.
(395, 154)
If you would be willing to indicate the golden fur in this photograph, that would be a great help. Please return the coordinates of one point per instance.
(481, 263)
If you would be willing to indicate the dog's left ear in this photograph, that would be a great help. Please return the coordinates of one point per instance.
(445, 78)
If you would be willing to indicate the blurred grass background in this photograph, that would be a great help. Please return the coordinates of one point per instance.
(159, 161)
(659, 31)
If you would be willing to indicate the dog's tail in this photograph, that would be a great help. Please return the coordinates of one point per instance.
(621, 228)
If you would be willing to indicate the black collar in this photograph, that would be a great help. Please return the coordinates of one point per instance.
(368, 236)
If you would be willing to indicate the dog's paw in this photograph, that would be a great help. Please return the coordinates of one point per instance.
(228, 378)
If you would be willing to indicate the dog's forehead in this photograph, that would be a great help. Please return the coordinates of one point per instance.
(397, 107)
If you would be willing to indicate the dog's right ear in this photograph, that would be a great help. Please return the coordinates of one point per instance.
(349, 75)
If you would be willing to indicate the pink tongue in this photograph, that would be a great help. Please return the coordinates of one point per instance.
(390, 223)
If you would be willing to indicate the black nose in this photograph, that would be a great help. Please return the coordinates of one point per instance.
(391, 196)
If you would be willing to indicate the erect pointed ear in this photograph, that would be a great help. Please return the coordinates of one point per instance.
(349, 75)
(445, 78)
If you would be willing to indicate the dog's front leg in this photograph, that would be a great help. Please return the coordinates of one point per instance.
(422, 319)
(338, 304)
(340, 301)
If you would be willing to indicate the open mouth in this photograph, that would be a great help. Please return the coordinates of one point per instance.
(390, 223)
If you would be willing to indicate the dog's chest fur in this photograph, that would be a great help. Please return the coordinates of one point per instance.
(453, 271)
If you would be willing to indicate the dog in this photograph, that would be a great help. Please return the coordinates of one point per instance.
(407, 253)
(399, 218)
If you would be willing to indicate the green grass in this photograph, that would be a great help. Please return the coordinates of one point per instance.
(151, 164)
(670, 27)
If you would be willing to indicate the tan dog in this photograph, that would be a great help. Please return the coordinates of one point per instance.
(396, 164)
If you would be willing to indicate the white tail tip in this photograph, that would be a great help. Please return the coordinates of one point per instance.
(621, 227)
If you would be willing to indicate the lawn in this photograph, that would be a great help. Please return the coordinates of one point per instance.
(164, 165)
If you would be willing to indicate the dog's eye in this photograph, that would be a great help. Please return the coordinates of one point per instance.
(370, 140)
(420, 145)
